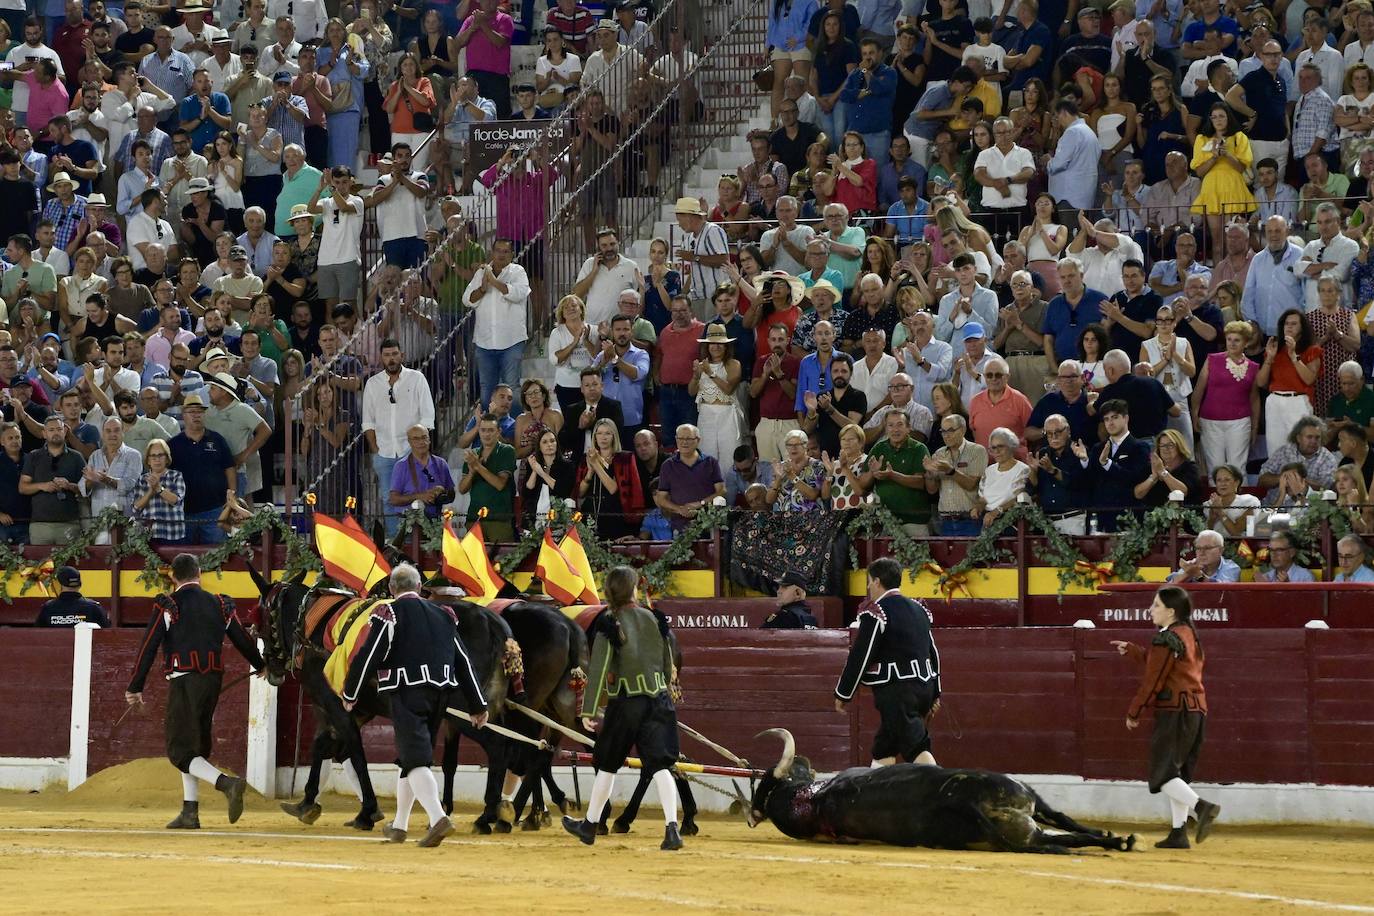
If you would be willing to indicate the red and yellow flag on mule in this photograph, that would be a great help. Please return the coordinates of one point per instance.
(349, 555)
(464, 562)
(572, 548)
(560, 578)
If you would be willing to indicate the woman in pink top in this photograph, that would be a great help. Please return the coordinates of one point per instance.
(856, 176)
(1226, 402)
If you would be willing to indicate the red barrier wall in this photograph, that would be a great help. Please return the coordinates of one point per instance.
(1289, 706)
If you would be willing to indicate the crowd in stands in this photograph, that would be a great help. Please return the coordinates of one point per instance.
(1097, 258)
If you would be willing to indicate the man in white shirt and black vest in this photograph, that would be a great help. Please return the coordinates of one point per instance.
(413, 648)
(895, 656)
(190, 625)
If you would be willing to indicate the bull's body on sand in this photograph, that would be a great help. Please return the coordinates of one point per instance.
(102, 849)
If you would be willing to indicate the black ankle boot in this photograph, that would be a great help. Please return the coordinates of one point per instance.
(581, 828)
(188, 819)
(1177, 839)
(1206, 813)
(671, 838)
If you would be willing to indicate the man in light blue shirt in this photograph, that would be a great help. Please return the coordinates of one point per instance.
(936, 106)
(1168, 277)
(1073, 168)
(1282, 552)
(1350, 560)
(928, 360)
(967, 303)
(907, 218)
(624, 371)
(1274, 197)
(1208, 564)
(814, 373)
(1169, 18)
(1273, 284)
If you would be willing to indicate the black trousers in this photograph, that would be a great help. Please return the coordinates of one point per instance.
(494, 86)
(415, 716)
(317, 146)
(647, 724)
(902, 709)
(263, 191)
(191, 702)
(378, 121)
(1175, 745)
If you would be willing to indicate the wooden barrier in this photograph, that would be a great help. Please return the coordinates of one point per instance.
(1287, 706)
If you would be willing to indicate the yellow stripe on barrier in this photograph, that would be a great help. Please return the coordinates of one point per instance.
(1044, 580)
(988, 584)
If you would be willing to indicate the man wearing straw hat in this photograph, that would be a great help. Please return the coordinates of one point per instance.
(703, 251)
(242, 428)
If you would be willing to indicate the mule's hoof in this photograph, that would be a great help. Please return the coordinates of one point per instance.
(481, 828)
(736, 808)
(689, 828)
(601, 829)
(364, 820)
(1129, 844)
(505, 811)
(306, 814)
(502, 827)
(530, 824)
(545, 818)
(619, 826)
(566, 806)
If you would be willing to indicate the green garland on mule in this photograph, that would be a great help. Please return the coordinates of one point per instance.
(134, 541)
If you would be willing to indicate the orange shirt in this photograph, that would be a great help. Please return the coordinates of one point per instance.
(1284, 375)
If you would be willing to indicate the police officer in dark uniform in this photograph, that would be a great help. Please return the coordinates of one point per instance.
(793, 612)
(895, 655)
(69, 607)
(412, 646)
(190, 625)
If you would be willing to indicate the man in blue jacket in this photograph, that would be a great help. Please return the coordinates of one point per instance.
(869, 91)
(1121, 463)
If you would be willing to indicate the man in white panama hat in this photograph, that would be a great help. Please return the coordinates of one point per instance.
(703, 250)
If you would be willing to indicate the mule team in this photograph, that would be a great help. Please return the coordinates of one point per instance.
(414, 656)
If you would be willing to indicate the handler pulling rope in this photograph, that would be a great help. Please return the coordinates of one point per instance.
(503, 732)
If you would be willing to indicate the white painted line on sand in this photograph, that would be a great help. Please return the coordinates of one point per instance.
(66, 853)
(694, 851)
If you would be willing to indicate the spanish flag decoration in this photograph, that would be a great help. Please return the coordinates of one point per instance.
(560, 578)
(349, 555)
(464, 562)
(577, 559)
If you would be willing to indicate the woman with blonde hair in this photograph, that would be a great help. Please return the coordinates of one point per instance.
(715, 376)
(73, 289)
(1171, 361)
(608, 485)
(1354, 111)
(848, 479)
(159, 495)
(411, 97)
(910, 302)
(572, 347)
(1172, 470)
(1352, 496)
(800, 185)
(1225, 406)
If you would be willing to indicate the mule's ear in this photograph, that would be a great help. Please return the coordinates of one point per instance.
(378, 533)
(298, 579)
(801, 769)
(263, 585)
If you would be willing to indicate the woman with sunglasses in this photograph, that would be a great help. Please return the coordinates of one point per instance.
(1171, 361)
(158, 497)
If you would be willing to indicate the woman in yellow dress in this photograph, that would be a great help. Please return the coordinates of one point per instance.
(1221, 156)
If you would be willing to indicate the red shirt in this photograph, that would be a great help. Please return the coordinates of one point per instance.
(67, 42)
(774, 403)
(788, 318)
(859, 198)
(677, 350)
(1013, 412)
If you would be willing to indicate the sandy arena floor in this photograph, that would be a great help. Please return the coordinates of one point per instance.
(103, 850)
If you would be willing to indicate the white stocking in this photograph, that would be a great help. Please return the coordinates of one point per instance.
(189, 790)
(1182, 799)
(667, 795)
(201, 768)
(601, 793)
(426, 789)
(405, 800)
(350, 776)
(509, 786)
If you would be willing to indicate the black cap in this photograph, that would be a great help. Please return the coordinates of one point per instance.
(21, 379)
(794, 577)
(68, 577)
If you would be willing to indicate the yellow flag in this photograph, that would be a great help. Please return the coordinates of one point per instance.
(577, 558)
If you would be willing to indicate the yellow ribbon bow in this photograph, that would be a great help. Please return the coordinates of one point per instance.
(950, 584)
(1101, 573)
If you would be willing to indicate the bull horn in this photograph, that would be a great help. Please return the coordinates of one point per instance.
(789, 749)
